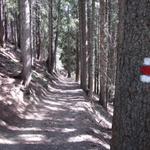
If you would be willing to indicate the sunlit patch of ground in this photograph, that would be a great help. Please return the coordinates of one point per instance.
(89, 138)
(56, 114)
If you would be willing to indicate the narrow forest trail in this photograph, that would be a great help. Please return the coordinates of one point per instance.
(59, 121)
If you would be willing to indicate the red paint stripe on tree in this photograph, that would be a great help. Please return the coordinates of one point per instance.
(145, 70)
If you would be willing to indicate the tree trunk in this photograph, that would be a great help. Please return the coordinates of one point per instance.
(12, 31)
(50, 59)
(38, 36)
(91, 15)
(57, 32)
(2, 23)
(89, 40)
(131, 121)
(6, 23)
(77, 58)
(18, 25)
(98, 55)
(69, 74)
(82, 30)
(32, 4)
(25, 40)
(103, 56)
(34, 35)
(96, 69)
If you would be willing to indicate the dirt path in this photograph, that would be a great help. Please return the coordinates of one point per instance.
(59, 121)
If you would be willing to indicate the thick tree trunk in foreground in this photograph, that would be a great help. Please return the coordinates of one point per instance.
(25, 40)
(131, 122)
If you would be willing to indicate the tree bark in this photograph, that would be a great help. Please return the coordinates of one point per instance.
(77, 57)
(103, 55)
(12, 32)
(2, 23)
(18, 25)
(82, 30)
(32, 4)
(111, 71)
(6, 23)
(38, 35)
(57, 32)
(91, 15)
(25, 41)
(50, 59)
(131, 121)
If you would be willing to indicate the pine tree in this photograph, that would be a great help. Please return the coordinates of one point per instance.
(103, 54)
(131, 122)
(50, 59)
(2, 23)
(25, 40)
(82, 32)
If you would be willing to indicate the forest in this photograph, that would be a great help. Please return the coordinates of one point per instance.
(74, 75)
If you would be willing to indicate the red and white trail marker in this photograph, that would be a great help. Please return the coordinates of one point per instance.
(145, 71)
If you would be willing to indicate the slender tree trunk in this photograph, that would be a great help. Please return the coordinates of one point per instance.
(82, 30)
(18, 25)
(131, 121)
(2, 23)
(50, 49)
(12, 32)
(111, 71)
(25, 41)
(103, 56)
(77, 57)
(57, 32)
(91, 15)
(96, 69)
(56, 46)
(34, 37)
(98, 56)
(69, 74)
(99, 75)
(6, 23)
(15, 31)
(89, 40)
(32, 19)
(38, 36)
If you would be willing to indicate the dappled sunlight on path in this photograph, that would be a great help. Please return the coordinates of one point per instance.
(60, 120)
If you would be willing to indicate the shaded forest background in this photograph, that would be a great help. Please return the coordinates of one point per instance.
(81, 34)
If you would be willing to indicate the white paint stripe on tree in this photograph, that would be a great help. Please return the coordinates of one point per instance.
(147, 61)
(145, 78)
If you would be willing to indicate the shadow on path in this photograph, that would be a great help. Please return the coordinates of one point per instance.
(58, 116)
(57, 120)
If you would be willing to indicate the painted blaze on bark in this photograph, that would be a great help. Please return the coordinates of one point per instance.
(131, 122)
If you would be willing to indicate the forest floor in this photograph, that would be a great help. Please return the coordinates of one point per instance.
(55, 115)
